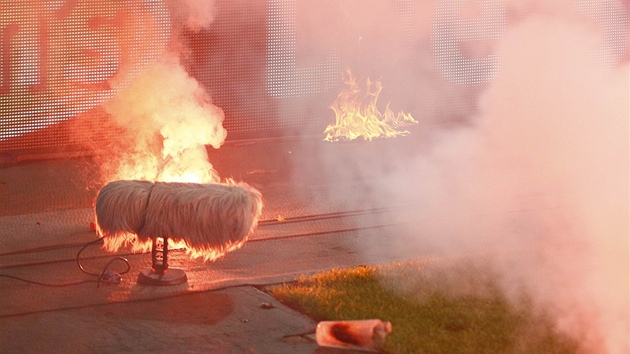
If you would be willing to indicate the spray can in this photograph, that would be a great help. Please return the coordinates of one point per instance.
(368, 335)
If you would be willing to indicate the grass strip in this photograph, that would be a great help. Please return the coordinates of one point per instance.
(434, 307)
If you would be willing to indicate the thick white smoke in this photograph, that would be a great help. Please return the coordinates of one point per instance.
(195, 14)
(170, 119)
(538, 178)
(168, 116)
(555, 121)
(542, 181)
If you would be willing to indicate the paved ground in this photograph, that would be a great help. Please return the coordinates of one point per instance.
(44, 221)
(224, 321)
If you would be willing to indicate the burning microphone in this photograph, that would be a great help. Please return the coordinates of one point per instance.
(209, 219)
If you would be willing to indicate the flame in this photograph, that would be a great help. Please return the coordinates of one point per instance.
(169, 121)
(139, 246)
(357, 114)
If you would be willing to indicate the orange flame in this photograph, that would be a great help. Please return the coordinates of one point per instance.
(138, 246)
(169, 120)
(357, 114)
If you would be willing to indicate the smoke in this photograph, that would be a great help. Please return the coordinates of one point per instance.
(537, 177)
(194, 14)
(547, 166)
(168, 117)
(555, 123)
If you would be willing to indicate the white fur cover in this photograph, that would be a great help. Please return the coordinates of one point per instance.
(210, 219)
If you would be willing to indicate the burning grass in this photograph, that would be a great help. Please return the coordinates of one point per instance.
(433, 309)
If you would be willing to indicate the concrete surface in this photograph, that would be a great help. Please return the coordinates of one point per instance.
(233, 320)
(44, 221)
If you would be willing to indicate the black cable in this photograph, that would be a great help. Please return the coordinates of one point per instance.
(105, 275)
(45, 284)
(106, 266)
(78, 258)
(261, 224)
(114, 278)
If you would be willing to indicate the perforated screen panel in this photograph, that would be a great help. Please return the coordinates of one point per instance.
(247, 60)
(60, 58)
(272, 66)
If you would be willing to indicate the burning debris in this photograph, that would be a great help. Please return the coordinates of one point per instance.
(170, 120)
(208, 220)
(357, 114)
(162, 177)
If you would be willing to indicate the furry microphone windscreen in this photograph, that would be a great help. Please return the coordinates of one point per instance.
(209, 219)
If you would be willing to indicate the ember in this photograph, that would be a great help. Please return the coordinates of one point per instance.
(357, 114)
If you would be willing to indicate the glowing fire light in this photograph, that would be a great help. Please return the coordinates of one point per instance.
(357, 114)
(170, 120)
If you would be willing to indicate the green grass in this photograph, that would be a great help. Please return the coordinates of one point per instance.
(433, 307)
